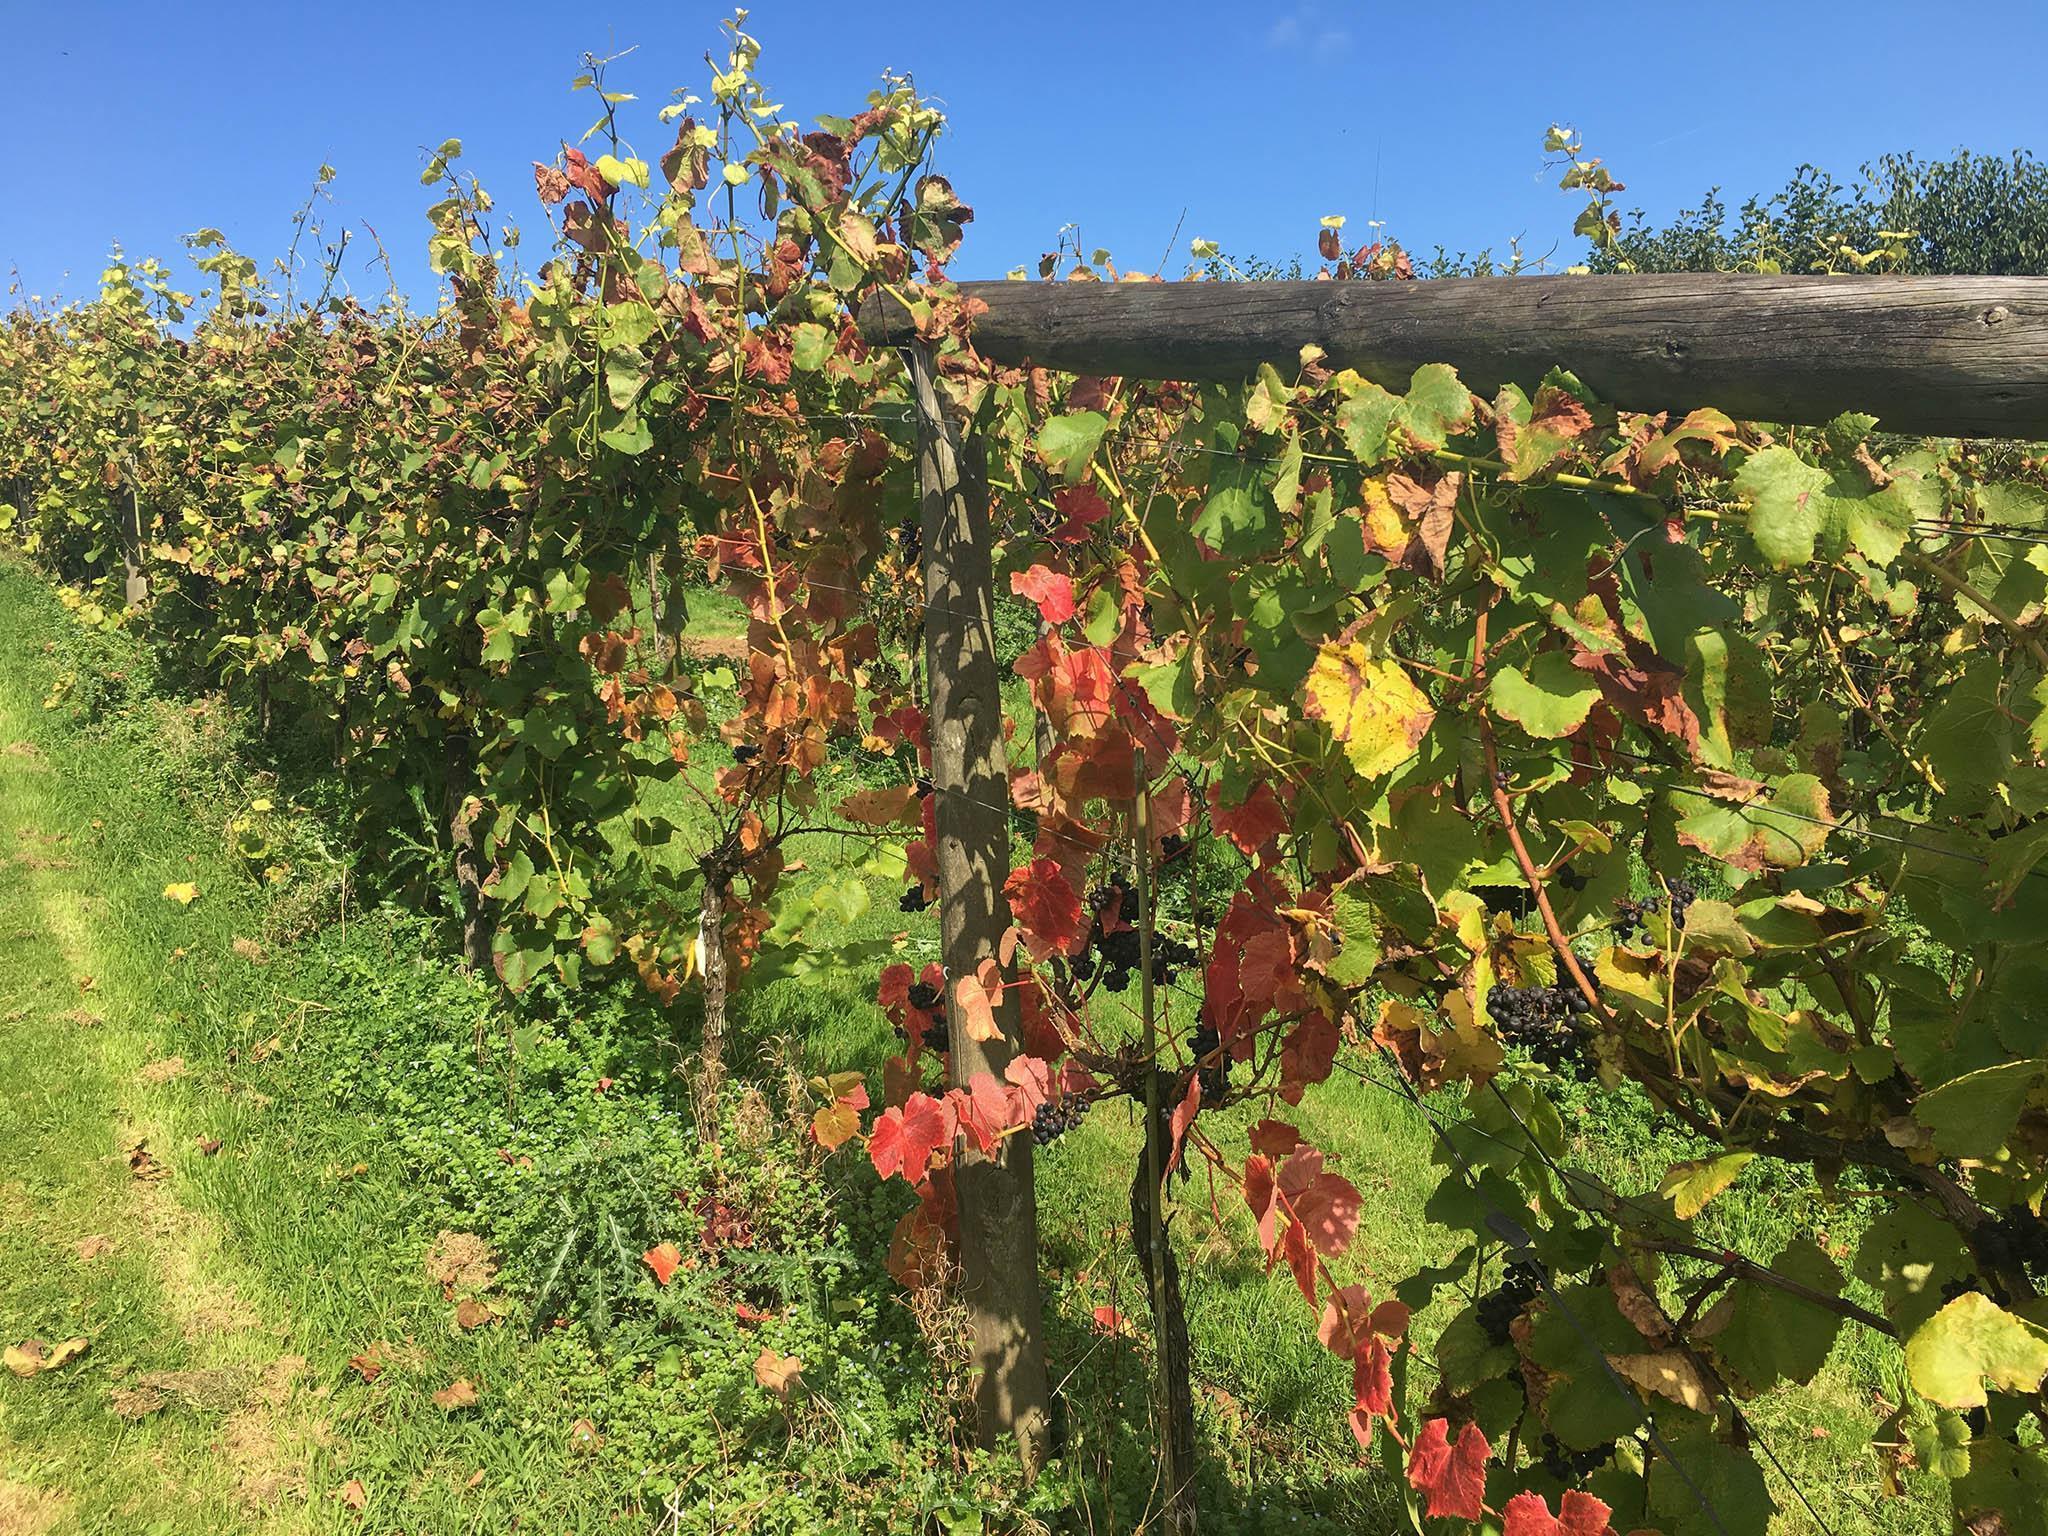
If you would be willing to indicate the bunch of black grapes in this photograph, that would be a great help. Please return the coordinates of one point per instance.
(938, 1035)
(1540, 1020)
(1213, 1075)
(1631, 918)
(1569, 1467)
(1053, 1121)
(2015, 1241)
(1116, 954)
(1499, 1307)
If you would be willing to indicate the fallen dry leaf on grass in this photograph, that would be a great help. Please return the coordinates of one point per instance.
(584, 1438)
(143, 1164)
(779, 1374)
(460, 1393)
(354, 1495)
(92, 1247)
(370, 1363)
(208, 1145)
(32, 1357)
(184, 893)
(471, 1313)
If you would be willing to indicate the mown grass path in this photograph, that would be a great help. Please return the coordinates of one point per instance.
(190, 1409)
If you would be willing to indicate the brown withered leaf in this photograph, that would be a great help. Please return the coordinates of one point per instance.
(460, 1393)
(142, 1163)
(778, 1374)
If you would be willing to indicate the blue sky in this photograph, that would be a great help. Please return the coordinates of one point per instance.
(137, 123)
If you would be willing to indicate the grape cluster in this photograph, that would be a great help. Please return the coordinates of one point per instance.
(1539, 1019)
(1116, 954)
(2016, 1241)
(1053, 1121)
(1214, 1076)
(909, 541)
(938, 1035)
(1570, 1466)
(1498, 1308)
(1631, 918)
(913, 900)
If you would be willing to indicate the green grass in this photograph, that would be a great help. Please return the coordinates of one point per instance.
(364, 1097)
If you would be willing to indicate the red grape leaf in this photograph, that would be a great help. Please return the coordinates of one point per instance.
(1033, 1078)
(1046, 907)
(1253, 824)
(904, 1140)
(1453, 1476)
(975, 1000)
(1347, 1322)
(1262, 1195)
(1325, 1204)
(1578, 1514)
(1274, 1138)
(1053, 592)
(1183, 1116)
(663, 1258)
(881, 807)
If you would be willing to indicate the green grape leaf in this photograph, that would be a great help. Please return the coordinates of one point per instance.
(1941, 1444)
(1773, 1335)
(1779, 825)
(1550, 700)
(1067, 443)
(1972, 1115)
(1788, 499)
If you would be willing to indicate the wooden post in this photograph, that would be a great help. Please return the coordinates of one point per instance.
(970, 775)
(710, 1083)
(1941, 356)
(1173, 1395)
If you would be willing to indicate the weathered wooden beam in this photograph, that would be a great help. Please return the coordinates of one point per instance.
(1949, 356)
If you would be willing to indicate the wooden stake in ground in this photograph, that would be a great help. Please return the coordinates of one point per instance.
(710, 1083)
(1173, 1390)
(998, 1201)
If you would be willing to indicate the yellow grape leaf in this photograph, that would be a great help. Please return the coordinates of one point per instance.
(1669, 1373)
(32, 1356)
(184, 893)
(1692, 1184)
(1371, 706)
(1972, 1338)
